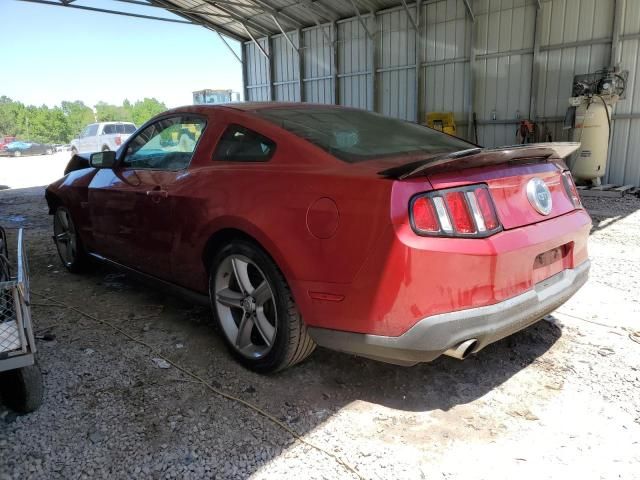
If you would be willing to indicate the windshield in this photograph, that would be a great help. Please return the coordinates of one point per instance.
(357, 135)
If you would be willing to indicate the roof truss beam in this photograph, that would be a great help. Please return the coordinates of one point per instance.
(360, 19)
(69, 4)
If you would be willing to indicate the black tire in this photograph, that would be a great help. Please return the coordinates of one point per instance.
(22, 389)
(74, 151)
(105, 148)
(291, 344)
(48, 151)
(75, 260)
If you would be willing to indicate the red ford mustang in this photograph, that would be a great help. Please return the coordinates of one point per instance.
(311, 225)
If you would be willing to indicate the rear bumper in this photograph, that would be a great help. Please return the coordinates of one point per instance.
(432, 336)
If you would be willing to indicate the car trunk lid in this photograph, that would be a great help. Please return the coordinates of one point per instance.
(506, 171)
(508, 187)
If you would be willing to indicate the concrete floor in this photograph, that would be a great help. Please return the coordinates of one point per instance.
(560, 399)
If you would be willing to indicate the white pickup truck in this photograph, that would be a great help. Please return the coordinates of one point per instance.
(102, 136)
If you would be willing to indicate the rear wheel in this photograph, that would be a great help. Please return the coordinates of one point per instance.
(74, 151)
(48, 151)
(105, 148)
(68, 243)
(22, 389)
(255, 310)
(17, 153)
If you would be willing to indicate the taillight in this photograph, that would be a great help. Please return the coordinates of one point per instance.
(456, 212)
(118, 140)
(570, 188)
(459, 212)
(485, 205)
(424, 215)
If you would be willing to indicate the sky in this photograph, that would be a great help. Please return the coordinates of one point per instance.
(50, 54)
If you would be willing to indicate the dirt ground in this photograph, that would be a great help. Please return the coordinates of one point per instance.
(560, 399)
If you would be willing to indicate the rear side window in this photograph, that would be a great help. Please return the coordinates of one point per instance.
(357, 135)
(109, 129)
(128, 128)
(240, 144)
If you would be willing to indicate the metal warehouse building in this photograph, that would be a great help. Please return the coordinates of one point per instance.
(500, 60)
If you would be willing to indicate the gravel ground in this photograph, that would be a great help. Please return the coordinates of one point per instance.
(557, 400)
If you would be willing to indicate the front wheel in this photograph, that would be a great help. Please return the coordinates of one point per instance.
(48, 151)
(105, 148)
(17, 153)
(68, 243)
(255, 310)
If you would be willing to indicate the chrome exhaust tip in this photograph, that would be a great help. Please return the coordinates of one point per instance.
(462, 350)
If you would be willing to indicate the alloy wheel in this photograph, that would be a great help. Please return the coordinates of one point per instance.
(64, 234)
(246, 306)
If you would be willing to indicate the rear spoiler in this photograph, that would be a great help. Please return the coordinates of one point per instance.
(480, 157)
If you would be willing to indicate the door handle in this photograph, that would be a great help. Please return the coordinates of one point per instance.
(157, 194)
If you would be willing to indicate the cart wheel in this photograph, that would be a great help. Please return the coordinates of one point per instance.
(22, 389)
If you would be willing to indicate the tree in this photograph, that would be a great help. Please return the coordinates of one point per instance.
(141, 111)
(61, 124)
(78, 116)
(106, 112)
(12, 117)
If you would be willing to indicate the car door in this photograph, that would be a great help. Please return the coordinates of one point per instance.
(131, 205)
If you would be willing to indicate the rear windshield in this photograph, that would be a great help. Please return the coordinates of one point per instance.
(119, 128)
(357, 135)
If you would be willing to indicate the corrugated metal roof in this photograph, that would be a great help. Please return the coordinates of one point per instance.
(235, 17)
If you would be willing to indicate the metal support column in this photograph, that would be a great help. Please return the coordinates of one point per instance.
(374, 54)
(470, 78)
(272, 93)
(535, 67)
(245, 77)
(617, 27)
(301, 58)
(420, 43)
(336, 64)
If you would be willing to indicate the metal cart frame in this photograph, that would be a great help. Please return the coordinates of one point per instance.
(17, 342)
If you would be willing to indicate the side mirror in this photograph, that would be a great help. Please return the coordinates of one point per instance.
(105, 159)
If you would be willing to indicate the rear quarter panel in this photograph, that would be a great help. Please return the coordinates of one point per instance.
(270, 202)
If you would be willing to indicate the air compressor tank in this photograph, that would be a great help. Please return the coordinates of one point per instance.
(592, 131)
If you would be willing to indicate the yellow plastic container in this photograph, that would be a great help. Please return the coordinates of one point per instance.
(443, 121)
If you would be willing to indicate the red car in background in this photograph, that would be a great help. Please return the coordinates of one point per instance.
(311, 225)
(4, 141)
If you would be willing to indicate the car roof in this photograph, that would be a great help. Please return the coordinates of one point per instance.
(253, 106)
(271, 105)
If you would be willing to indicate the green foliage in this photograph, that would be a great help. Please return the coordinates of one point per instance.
(78, 115)
(61, 124)
(112, 113)
(142, 111)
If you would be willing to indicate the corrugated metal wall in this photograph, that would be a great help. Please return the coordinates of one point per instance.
(445, 58)
(624, 166)
(575, 39)
(503, 67)
(286, 68)
(396, 65)
(355, 63)
(319, 84)
(524, 60)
